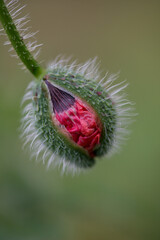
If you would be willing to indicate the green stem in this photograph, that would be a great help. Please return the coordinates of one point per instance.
(18, 43)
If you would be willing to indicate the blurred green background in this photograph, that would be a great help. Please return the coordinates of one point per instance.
(120, 197)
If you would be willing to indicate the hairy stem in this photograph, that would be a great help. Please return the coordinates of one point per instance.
(18, 43)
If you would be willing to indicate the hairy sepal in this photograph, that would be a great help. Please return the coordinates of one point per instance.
(54, 139)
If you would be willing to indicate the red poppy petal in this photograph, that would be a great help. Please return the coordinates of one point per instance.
(82, 125)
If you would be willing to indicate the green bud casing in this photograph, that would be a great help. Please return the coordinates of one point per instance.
(100, 98)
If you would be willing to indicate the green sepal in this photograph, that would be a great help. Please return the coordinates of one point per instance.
(56, 141)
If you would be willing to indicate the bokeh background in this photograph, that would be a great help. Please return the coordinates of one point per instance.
(120, 197)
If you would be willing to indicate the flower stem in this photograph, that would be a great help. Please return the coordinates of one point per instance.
(18, 43)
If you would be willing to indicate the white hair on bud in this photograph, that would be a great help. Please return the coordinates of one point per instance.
(31, 136)
(15, 9)
(90, 69)
(115, 92)
(124, 109)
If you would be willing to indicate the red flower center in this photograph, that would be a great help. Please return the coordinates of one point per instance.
(81, 124)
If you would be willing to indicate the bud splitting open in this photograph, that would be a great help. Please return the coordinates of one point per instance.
(75, 118)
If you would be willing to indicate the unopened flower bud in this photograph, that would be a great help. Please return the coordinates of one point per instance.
(73, 118)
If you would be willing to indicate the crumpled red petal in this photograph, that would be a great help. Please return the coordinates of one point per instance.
(81, 124)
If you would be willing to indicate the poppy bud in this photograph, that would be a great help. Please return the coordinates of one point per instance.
(72, 118)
